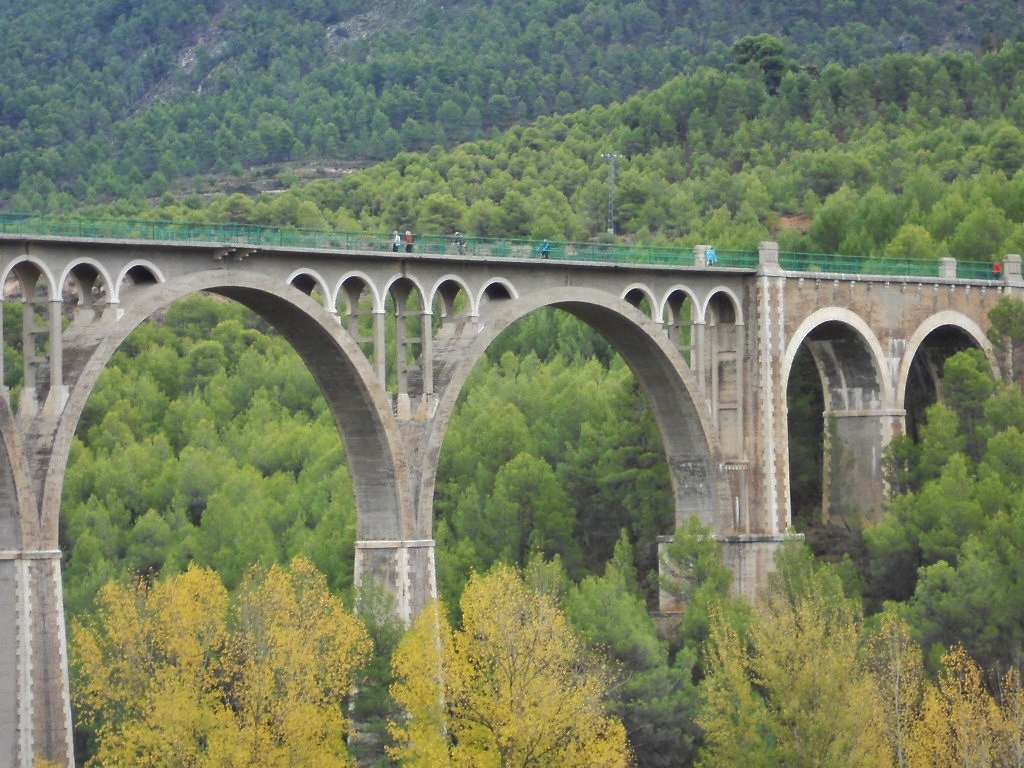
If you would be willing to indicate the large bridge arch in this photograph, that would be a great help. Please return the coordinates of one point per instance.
(934, 340)
(871, 352)
(691, 447)
(356, 400)
(859, 410)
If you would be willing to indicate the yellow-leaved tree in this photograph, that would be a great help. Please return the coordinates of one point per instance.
(793, 690)
(806, 685)
(960, 723)
(895, 664)
(176, 673)
(513, 687)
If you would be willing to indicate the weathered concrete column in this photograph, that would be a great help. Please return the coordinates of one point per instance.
(853, 482)
(28, 403)
(751, 558)
(405, 568)
(401, 345)
(427, 351)
(698, 355)
(764, 466)
(380, 347)
(58, 393)
(35, 714)
(768, 427)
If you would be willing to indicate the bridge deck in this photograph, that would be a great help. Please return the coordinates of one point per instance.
(495, 248)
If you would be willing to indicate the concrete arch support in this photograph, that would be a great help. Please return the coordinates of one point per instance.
(405, 568)
(860, 414)
(34, 678)
(361, 408)
(691, 445)
(947, 318)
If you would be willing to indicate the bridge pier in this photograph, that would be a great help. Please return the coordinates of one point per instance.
(853, 484)
(751, 557)
(406, 569)
(767, 431)
(36, 719)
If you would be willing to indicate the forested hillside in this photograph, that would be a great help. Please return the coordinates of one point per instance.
(913, 156)
(125, 98)
(873, 128)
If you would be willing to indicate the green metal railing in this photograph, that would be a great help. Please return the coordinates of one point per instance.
(499, 248)
(857, 265)
(877, 265)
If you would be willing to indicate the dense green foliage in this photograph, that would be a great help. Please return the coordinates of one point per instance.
(123, 98)
(215, 447)
(947, 548)
(205, 441)
(656, 694)
(551, 451)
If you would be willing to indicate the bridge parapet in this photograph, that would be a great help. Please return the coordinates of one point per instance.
(1011, 269)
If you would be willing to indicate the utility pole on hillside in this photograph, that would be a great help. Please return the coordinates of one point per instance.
(611, 158)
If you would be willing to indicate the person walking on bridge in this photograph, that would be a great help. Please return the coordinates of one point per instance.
(545, 248)
(408, 241)
(710, 257)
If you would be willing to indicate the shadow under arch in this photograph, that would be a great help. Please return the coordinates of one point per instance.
(871, 350)
(936, 339)
(722, 296)
(691, 447)
(361, 412)
(859, 413)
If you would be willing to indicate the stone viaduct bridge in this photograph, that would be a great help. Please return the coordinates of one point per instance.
(712, 348)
